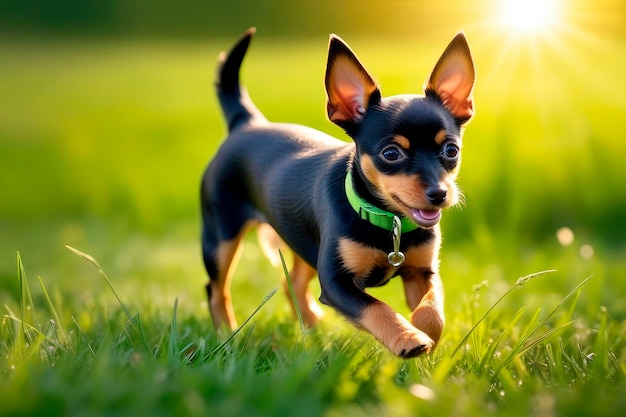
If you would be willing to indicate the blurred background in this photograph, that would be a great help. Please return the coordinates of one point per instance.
(108, 118)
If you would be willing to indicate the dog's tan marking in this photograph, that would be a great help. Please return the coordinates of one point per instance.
(372, 174)
(270, 243)
(301, 273)
(360, 259)
(220, 303)
(440, 136)
(402, 141)
(399, 184)
(425, 256)
(394, 331)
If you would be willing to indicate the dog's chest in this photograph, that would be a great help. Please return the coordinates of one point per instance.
(370, 266)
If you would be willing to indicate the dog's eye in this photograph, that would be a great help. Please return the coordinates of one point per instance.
(450, 150)
(392, 154)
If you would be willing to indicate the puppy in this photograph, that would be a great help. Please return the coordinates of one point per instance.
(356, 214)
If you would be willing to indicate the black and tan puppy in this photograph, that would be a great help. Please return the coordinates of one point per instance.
(356, 213)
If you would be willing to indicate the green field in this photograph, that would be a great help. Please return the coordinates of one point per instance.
(102, 145)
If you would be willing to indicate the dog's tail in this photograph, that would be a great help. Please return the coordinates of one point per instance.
(236, 104)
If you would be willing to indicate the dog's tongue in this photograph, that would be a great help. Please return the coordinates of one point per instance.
(426, 218)
(429, 214)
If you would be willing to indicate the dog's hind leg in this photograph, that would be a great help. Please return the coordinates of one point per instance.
(220, 259)
(301, 274)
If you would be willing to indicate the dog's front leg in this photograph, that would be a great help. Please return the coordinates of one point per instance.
(424, 295)
(390, 328)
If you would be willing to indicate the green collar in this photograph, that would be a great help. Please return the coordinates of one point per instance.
(371, 213)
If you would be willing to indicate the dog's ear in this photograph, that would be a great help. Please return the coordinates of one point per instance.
(452, 80)
(349, 87)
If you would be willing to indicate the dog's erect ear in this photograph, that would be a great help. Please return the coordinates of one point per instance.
(452, 80)
(349, 87)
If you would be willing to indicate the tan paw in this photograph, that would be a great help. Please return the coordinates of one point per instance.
(411, 343)
(395, 332)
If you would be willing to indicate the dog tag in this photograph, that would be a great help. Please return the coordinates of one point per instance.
(396, 258)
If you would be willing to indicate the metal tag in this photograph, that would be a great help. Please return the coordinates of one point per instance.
(396, 258)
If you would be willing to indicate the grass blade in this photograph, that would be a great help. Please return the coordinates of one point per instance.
(291, 292)
(515, 353)
(95, 263)
(173, 343)
(491, 350)
(26, 307)
(523, 345)
(59, 324)
(567, 297)
(26, 298)
(520, 282)
(81, 337)
(223, 345)
(600, 364)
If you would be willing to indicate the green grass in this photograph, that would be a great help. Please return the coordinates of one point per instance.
(102, 145)
(147, 359)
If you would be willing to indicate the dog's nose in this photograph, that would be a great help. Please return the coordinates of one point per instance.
(436, 194)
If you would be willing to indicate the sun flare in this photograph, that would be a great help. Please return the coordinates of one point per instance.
(529, 17)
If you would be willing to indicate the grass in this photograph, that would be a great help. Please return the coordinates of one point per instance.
(102, 144)
(123, 362)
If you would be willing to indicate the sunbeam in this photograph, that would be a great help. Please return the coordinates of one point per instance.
(529, 17)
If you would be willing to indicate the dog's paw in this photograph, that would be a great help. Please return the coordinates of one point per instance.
(395, 332)
(412, 343)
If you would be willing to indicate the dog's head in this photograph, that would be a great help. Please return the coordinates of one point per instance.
(408, 147)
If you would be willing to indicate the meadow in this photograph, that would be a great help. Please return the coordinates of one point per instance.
(102, 145)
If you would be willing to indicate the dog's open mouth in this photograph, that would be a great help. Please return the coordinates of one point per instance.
(424, 218)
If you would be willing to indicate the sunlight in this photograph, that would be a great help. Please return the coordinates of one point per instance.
(545, 48)
(529, 17)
